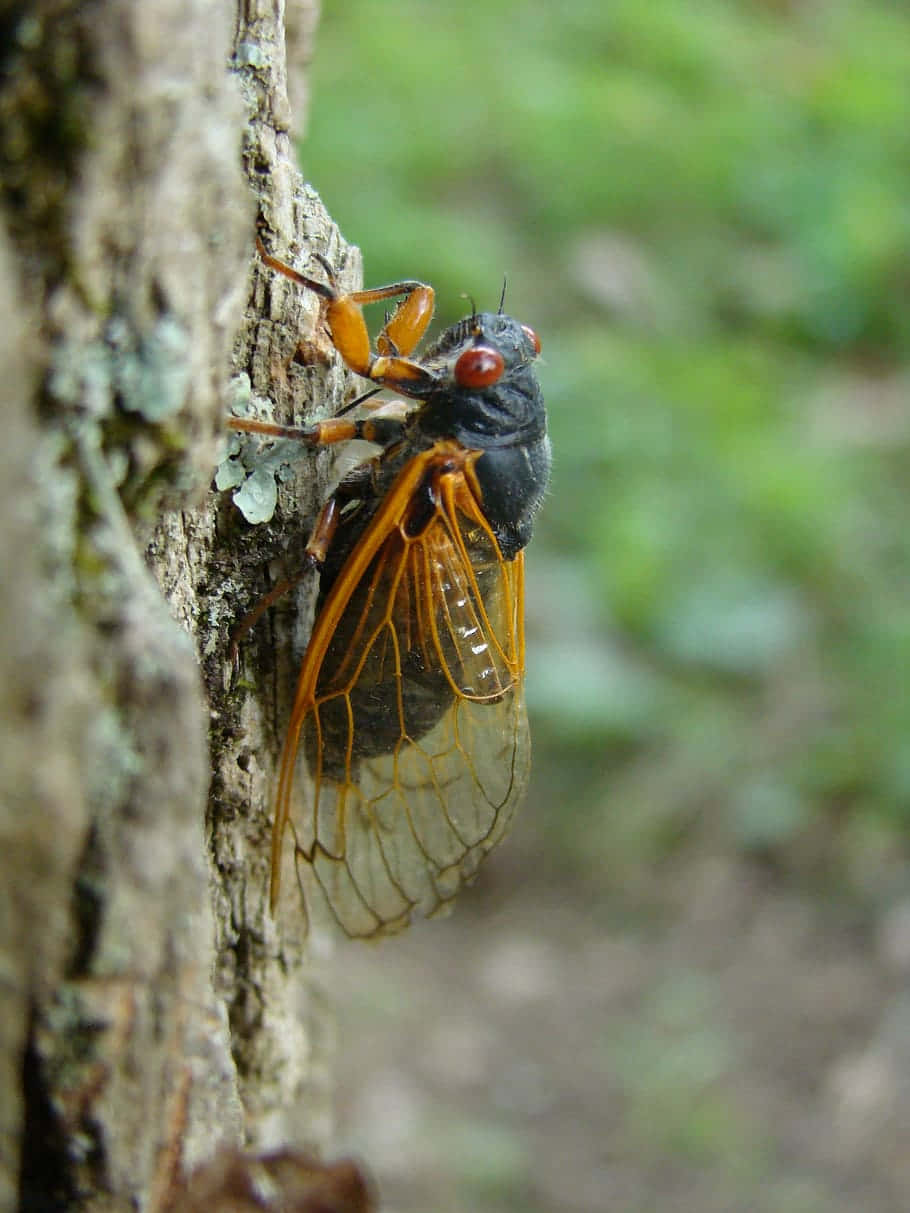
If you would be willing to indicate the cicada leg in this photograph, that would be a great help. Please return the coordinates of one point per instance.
(390, 366)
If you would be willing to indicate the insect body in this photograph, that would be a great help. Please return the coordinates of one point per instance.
(409, 710)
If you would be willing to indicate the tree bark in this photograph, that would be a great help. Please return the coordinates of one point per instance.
(150, 1008)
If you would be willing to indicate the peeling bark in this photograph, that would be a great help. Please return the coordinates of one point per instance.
(150, 1009)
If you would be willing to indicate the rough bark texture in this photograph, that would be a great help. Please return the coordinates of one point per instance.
(150, 1009)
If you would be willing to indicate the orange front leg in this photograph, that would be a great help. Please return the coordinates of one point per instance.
(400, 335)
(408, 323)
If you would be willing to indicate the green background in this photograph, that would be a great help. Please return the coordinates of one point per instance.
(682, 982)
(703, 210)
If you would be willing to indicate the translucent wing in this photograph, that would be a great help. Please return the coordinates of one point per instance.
(409, 711)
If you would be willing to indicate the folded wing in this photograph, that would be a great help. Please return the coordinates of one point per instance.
(410, 713)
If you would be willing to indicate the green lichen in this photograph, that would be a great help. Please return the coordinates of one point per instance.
(80, 375)
(131, 384)
(254, 466)
(249, 54)
(150, 371)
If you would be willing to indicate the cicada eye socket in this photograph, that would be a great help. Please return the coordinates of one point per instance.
(479, 366)
(532, 337)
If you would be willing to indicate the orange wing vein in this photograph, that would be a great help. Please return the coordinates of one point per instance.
(409, 713)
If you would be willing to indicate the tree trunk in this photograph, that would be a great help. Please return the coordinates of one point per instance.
(150, 1008)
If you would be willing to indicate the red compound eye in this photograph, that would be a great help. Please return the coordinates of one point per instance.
(532, 337)
(478, 367)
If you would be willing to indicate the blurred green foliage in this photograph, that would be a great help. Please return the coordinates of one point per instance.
(704, 209)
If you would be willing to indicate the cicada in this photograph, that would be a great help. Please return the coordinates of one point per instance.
(409, 712)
